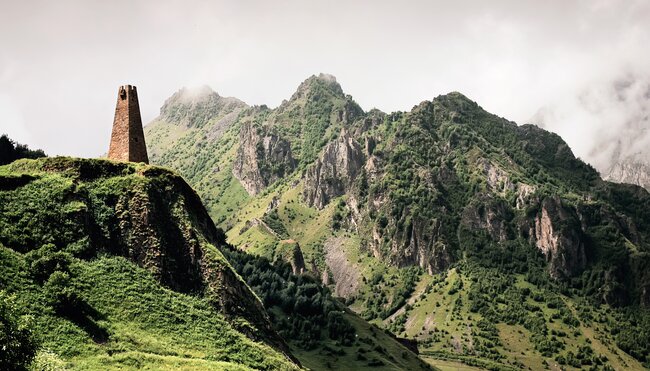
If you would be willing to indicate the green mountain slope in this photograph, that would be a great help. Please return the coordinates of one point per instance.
(118, 266)
(488, 242)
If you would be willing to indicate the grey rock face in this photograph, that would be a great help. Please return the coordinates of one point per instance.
(262, 158)
(345, 273)
(489, 214)
(334, 171)
(557, 233)
(425, 248)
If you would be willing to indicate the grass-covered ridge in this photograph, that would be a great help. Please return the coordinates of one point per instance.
(118, 266)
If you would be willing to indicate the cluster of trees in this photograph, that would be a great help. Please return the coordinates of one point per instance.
(11, 151)
(302, 309)
(585, 356)
(486, 340)
(272, 219)
(491, 290)
(631, 329)
(399, 289)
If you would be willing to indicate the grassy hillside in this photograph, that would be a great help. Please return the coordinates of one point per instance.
(489, 319)
(101, 257)
(110, 314)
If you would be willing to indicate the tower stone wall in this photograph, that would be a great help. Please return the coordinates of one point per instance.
(127, 139)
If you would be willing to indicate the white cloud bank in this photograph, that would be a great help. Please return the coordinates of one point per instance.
(61, 62)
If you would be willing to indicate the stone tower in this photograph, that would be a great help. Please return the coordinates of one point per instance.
(127, 140)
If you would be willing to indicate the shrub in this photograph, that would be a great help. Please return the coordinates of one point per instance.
(17, 346)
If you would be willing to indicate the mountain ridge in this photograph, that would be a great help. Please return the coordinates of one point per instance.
(406, 196)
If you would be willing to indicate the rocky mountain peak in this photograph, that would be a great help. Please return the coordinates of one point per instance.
(316, 87)
(451, 106)
(454, 101)
(190, 96)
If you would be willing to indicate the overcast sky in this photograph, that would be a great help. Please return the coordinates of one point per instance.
(62, 61)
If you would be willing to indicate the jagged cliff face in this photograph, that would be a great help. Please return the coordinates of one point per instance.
(490, 214)
(313, 116)
(334, 171)
(262, 159)
(440, 184)
(558, 235)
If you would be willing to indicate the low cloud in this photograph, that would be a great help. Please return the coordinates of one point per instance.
(604, 123)
(61, 62)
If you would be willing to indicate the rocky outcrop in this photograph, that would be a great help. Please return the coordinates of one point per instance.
(558, 235)
(489, 214)
(314, 88)
(289, 251)
(412, 241)
(334, 171)
(421, 244)
(497, 179)
(273, 205)
(524, 193)
(262, 158)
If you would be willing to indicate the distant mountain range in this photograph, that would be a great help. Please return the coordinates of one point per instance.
(632, 170)
(486, 242)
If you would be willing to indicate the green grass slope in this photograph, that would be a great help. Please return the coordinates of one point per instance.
(122, 318)
(117, 266)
